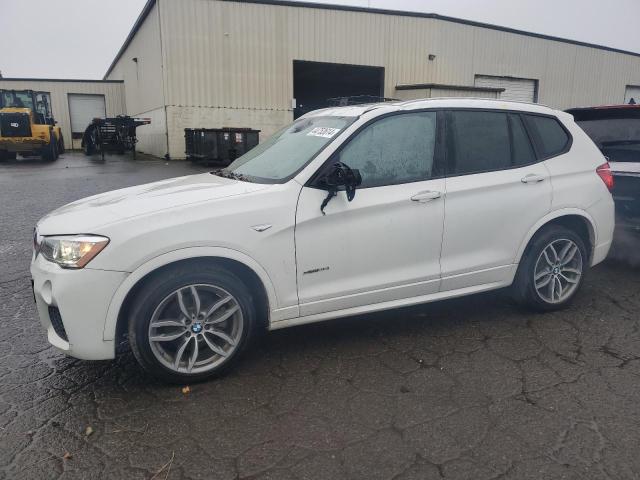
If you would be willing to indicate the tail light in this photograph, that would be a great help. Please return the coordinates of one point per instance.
(604, 172)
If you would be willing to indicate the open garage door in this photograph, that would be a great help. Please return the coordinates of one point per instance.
(632, 95)
(517, 89)
(317, 84)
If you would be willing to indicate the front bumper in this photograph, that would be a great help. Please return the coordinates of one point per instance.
(82, 298)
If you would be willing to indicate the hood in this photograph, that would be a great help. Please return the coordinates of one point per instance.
(89, 214)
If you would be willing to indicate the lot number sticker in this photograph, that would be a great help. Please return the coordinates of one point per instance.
(324, 132)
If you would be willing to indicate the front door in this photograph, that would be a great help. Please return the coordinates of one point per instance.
(385, 244)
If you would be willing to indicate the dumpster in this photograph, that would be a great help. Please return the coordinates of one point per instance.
(219, 145)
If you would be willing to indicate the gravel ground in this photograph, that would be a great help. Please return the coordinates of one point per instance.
(465, 389)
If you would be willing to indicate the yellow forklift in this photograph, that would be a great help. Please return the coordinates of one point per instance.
(27, 125)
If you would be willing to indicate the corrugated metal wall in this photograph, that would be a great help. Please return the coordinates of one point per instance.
(112, 91)
(145, 84)
(239, 55)
(232, 61)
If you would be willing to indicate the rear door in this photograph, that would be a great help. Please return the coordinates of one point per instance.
(496, 192)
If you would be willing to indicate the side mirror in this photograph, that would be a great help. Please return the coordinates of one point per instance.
(340, 176)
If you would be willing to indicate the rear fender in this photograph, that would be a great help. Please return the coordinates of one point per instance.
(552, 216)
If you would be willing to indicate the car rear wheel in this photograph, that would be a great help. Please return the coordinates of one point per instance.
(188, 326)
(552, 270)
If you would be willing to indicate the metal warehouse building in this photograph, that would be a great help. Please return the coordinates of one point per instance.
(259, 64)
(75, 103)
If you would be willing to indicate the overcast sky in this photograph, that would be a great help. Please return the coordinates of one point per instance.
(79, 38)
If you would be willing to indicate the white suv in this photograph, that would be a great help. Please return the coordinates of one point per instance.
(346, 211)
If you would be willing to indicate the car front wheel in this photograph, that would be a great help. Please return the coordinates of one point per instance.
(552, 270)
(188, 326)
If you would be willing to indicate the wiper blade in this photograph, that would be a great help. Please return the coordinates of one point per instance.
(232, 175)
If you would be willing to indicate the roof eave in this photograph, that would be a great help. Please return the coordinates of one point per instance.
(136, 26)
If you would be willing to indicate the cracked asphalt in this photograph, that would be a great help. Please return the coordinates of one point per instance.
(466, 389)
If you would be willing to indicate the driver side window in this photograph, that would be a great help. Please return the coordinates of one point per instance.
(396, 149)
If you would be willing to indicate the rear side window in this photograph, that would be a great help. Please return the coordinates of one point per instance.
(477, 142)
(550, 138)
(523, 153)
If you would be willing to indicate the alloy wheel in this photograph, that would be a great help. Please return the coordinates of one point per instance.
(558, 270)
(196, 328)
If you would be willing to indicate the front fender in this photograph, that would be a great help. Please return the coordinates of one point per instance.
(175, 256)
(563, 212)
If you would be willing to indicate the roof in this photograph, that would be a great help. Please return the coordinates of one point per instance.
(454, 102)
(288, 3)
(15, 79)
(605, 112)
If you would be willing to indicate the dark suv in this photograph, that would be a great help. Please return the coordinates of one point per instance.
(616, 131)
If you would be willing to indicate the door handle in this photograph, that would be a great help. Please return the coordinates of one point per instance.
(532, 178)
(427, 196)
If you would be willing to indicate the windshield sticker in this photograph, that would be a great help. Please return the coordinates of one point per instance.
(324, 132)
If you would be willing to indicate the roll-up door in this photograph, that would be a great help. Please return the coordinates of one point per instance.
(83, 108)
(518, 89)
(632, 93)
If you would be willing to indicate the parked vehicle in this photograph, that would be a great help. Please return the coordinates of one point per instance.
(27, 125)
(113, 134)
(347, 211)
(616, 131)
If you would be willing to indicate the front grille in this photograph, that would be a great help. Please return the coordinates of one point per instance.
(15, 125)
(56, 322)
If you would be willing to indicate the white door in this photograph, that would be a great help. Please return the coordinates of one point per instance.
(385, 244)
(83, 108)
(495, 194)
(517, 89)
(632, 95)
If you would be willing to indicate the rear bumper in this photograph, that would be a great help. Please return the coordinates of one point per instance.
(80, 300)
(603, 215)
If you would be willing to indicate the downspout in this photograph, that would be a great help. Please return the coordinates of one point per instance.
(164, 79)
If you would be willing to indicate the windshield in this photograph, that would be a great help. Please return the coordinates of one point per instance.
(288, 151)
(618, 138)
(17, 99)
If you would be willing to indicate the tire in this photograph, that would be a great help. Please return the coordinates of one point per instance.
(61, 149)
(539, 262)
(50, 152)
(88, 146)
(157, 302)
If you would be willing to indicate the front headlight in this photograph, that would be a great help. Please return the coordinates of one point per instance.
(71, 251)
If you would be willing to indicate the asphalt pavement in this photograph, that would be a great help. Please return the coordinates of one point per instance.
(472, 388)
